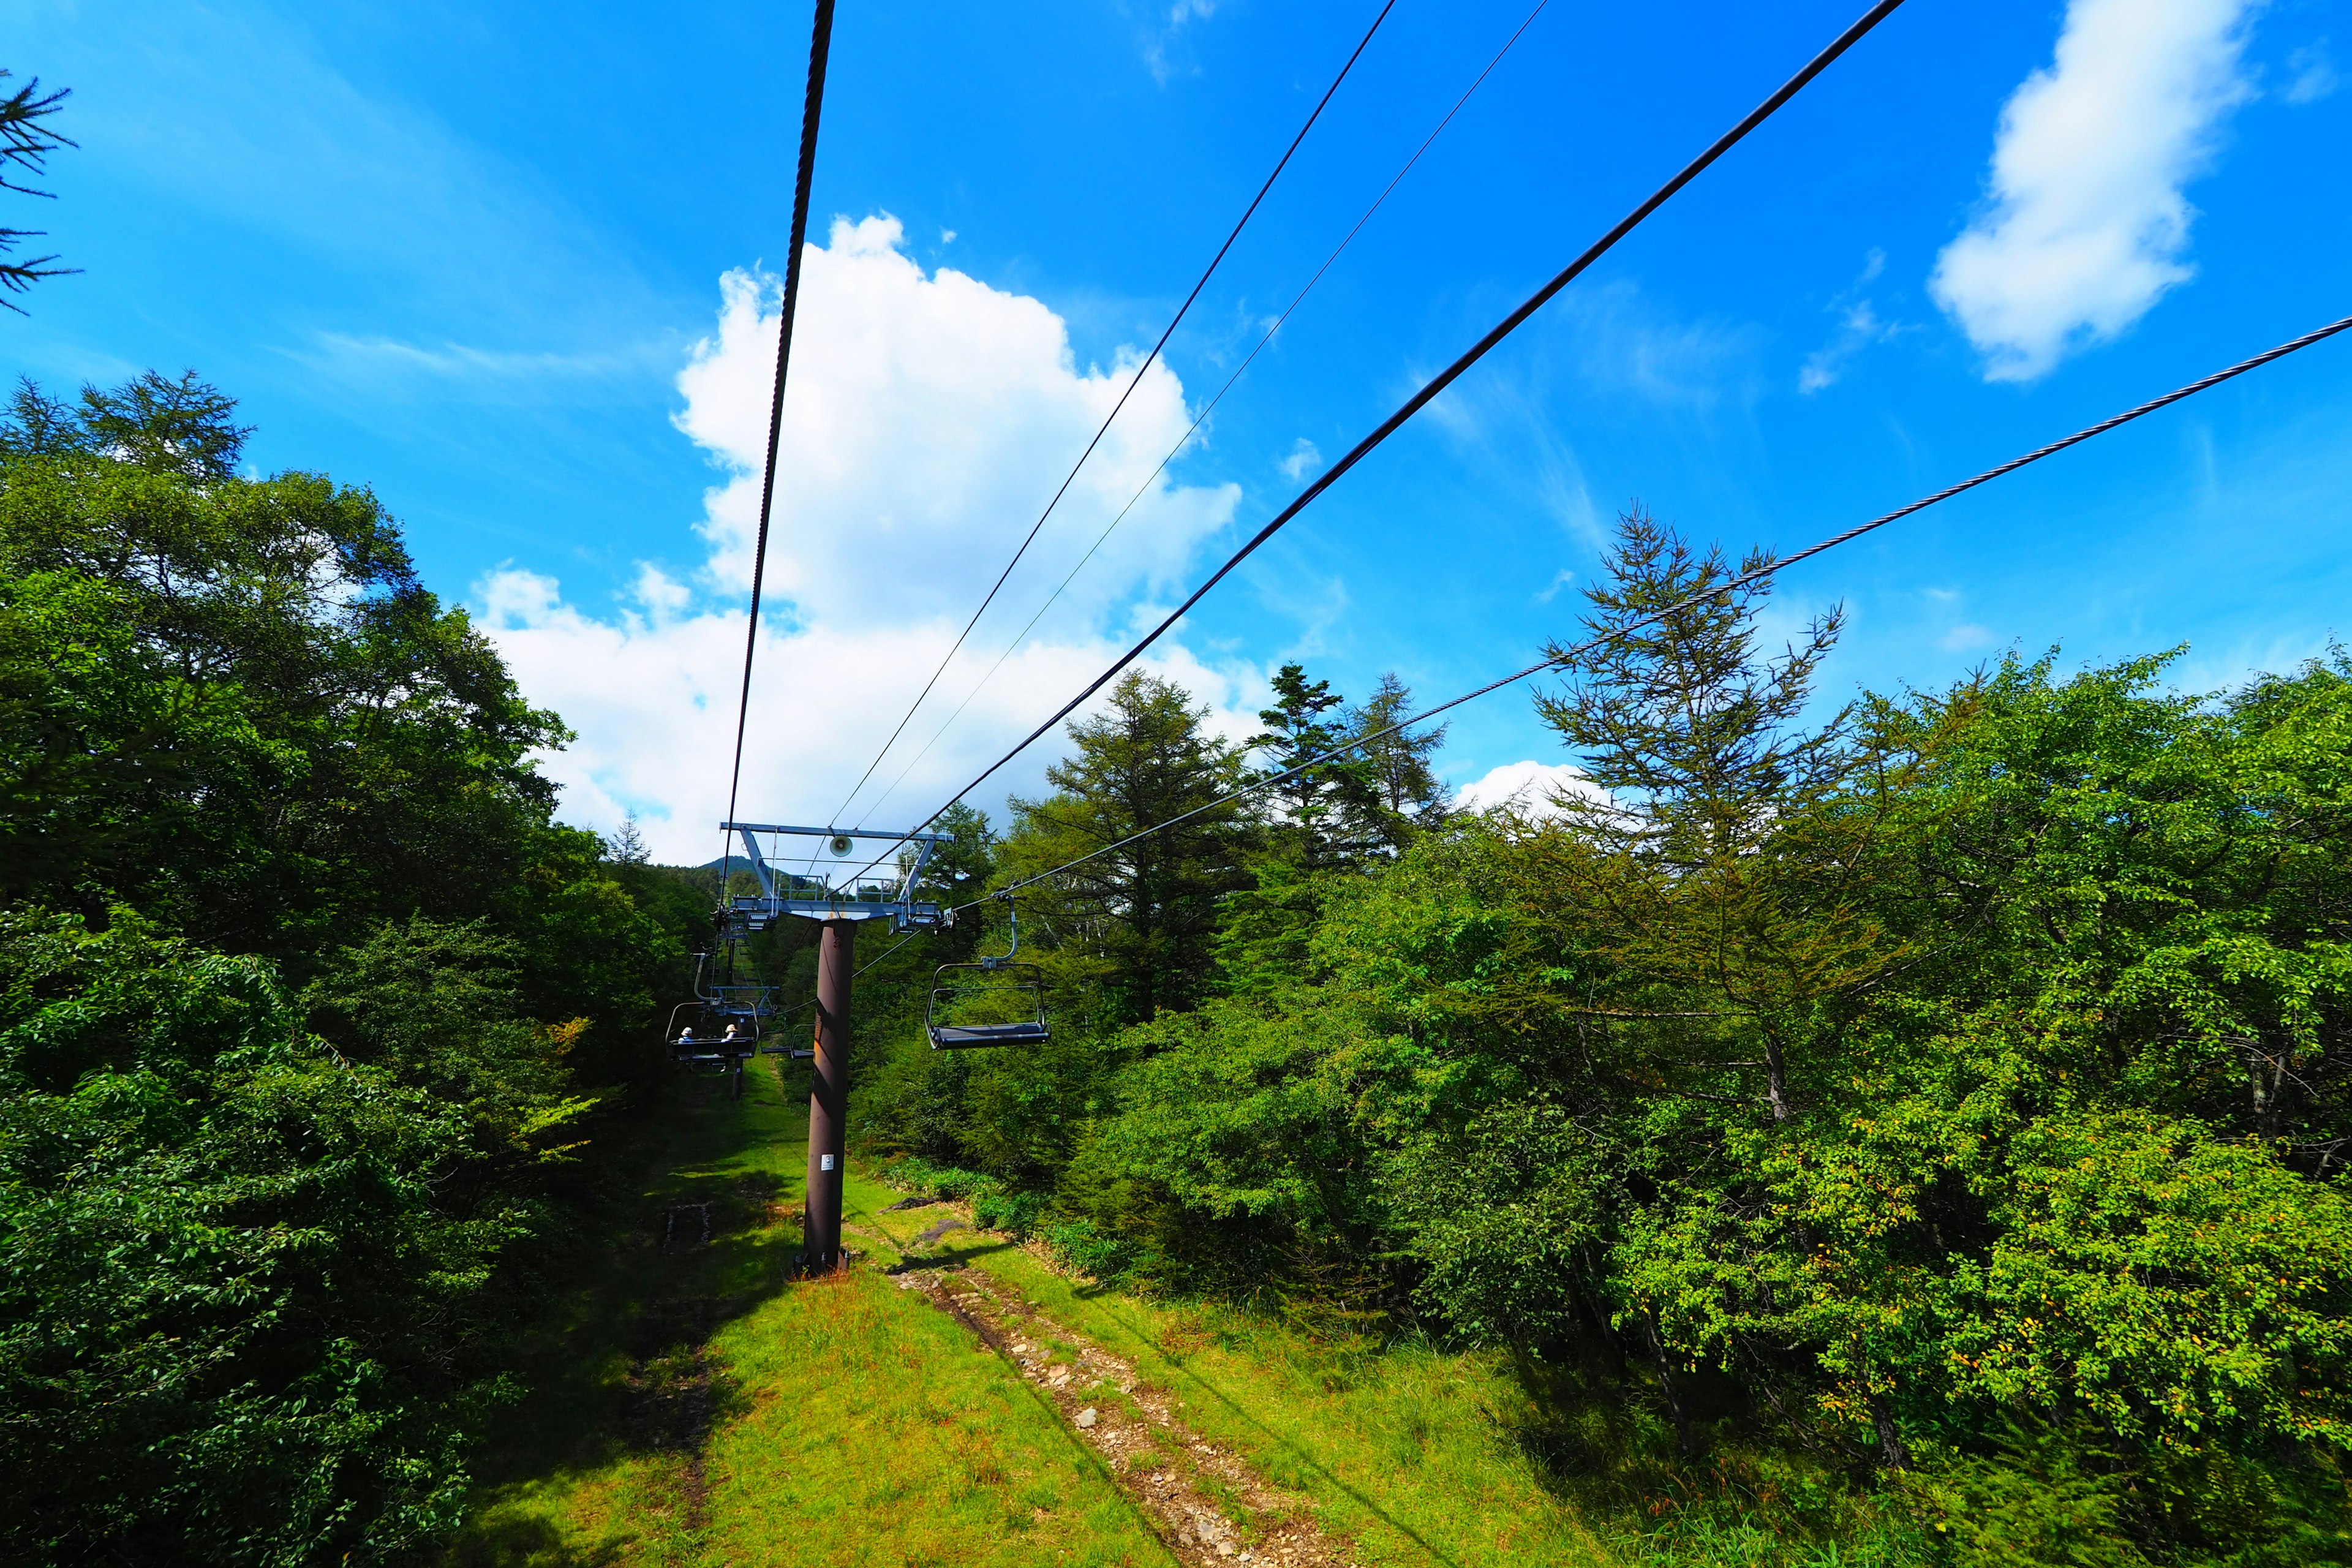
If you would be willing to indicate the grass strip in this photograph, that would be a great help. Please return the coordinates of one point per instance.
(1404, 1450)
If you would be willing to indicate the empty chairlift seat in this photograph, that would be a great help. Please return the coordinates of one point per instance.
(987, 1004)
(978, 1007)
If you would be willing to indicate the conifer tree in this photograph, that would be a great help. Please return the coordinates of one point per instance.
(1148, 911)
(1403, 794)
(25, 143)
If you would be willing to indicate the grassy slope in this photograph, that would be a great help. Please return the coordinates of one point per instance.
(694, 1404)
(1402, 1452)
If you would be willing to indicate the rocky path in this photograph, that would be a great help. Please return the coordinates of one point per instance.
(1208, 1505)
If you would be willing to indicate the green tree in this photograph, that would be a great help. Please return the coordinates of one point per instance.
(1711, 875)
(1141, 916)
(283, 1088)
(25, 143)
(1403, 794)
(1317, 802)
(199, 671)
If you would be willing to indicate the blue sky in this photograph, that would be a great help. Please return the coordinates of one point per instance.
(479, 258)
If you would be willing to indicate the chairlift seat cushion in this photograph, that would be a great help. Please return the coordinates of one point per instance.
(964, 1037)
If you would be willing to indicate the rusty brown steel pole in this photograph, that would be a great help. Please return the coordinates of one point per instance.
(836, 956)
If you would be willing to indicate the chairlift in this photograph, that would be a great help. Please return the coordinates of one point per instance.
(988, 1004)
(711, 1042)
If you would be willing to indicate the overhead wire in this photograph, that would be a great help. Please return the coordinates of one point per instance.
(1210, 407)
(1429, 390)
(812, 108)
(1133, 381)
(1714, 594)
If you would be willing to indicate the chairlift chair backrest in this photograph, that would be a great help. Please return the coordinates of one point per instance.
(988, 1004)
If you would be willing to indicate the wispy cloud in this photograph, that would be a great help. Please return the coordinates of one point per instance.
(2314, 74)
(1858, 328)
(1305, 454)
(2085, 224)
(1965, 638)
(382, 362)
(1161, 43)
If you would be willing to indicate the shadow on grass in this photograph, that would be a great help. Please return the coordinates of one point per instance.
(948, 1256)
(535, 1542)
(687, 1228)
(1745, 1490)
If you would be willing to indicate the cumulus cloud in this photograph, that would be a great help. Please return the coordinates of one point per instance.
(929, 420)
(2085, 224)
(1530, 789)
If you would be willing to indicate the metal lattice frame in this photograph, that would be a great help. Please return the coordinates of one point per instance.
(839, 883)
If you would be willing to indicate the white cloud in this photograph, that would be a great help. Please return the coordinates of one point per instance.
(1305, 454)
(1159, 47)
(1858, 328)
(930, 419)
(2086, 223)
(1967, 638)
(1551, 591)
(1530, 789)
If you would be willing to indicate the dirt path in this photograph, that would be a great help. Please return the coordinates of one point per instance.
(1208, 1505)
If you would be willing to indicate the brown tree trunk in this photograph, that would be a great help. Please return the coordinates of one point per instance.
(1776, 1076)
(1892, 1454)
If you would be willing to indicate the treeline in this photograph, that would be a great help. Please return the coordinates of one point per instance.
(305, 1002)
(1953, 1084)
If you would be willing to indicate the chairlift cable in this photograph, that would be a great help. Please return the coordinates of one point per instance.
(820, 49)
(1717, 593)
(1451, 372)
(1133, 381)
(1211, 406)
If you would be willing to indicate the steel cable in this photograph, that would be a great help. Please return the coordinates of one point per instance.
(1211, 406)
(1133, 381)
(1734, 584)
(813, 105)
(1447, 377)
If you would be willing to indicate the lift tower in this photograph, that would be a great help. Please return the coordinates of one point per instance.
(838, 877)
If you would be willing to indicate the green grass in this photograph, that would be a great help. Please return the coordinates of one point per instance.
(697, 1404)
(1405, 1451)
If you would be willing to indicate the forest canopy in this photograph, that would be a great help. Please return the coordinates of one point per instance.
(305, 998)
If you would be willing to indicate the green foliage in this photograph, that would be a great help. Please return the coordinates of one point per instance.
(1956, 1081)
(261, 1246)
(243, 1275)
